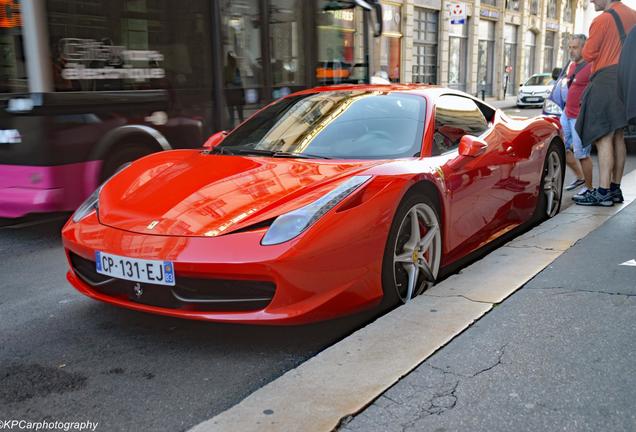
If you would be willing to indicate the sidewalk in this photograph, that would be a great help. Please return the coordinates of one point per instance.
(557, 355)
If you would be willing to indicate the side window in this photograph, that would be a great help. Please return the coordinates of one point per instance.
(456, 116)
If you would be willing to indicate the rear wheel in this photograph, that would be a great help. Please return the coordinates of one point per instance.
(413, 252)
(551, 190)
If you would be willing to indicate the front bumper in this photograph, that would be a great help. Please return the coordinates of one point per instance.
(530, 100)
(312, 278)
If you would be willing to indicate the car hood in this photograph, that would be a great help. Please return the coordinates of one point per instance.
(540, 89)
(190, 193)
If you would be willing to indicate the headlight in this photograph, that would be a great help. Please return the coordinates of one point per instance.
(92, 201)
(292, 224)
(549, 107)
(87, 206)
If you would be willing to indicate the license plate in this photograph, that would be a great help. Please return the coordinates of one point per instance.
(133, 269)
(533, 99)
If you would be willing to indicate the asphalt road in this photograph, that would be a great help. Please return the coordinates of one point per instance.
(65, 357)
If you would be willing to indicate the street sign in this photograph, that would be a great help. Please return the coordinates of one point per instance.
(458, 13)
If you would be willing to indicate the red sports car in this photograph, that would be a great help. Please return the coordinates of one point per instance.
(325, 202)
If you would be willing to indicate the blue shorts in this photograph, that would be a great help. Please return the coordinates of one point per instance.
(572, 140)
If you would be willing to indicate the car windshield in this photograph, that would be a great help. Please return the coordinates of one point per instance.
(539, 80)
(334, 124)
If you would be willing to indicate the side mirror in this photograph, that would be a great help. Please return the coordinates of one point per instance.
(214, 140)
(472, 146)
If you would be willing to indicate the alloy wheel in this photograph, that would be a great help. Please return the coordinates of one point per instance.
(417, 252)
(553, 184)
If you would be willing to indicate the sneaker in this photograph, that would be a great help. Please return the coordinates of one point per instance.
(594, 198)
(582, 193)
(617, 196)
(576, 183)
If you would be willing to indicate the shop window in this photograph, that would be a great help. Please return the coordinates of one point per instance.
(530, 50)
(457, 55)
(242, 59)
(510, 57)
(388, 47)
(485, 57)
(548, 51)
(288, 66)
(337, 52)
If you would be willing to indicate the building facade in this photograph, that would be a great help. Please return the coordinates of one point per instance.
(502, 41)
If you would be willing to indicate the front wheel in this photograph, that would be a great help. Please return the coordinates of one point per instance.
(413, 251)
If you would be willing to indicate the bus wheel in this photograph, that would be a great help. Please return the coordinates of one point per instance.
(121, 156)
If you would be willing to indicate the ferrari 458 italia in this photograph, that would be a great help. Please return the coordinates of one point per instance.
(323, 203)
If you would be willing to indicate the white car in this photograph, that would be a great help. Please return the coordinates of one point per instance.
(534, 91)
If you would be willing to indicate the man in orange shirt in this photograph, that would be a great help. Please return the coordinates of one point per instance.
(602, 117)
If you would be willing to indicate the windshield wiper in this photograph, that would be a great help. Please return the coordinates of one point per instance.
(300, 155)
(281, 154)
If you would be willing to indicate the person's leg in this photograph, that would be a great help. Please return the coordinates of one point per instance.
(573, 163)
(582, 155)
(570, 160)
(588, 171)
(605, 148)
(620, 153)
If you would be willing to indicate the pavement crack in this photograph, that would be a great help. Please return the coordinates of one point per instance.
(545, 288)
(571, 291)
(459, 295)
(522, 246)
(502, 351)
(594, 292)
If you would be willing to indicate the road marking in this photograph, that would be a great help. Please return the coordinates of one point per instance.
(344, 378)
(631, 262)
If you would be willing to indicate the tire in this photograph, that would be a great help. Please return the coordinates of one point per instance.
(122, 155)
(552, 177)
(425, 268)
